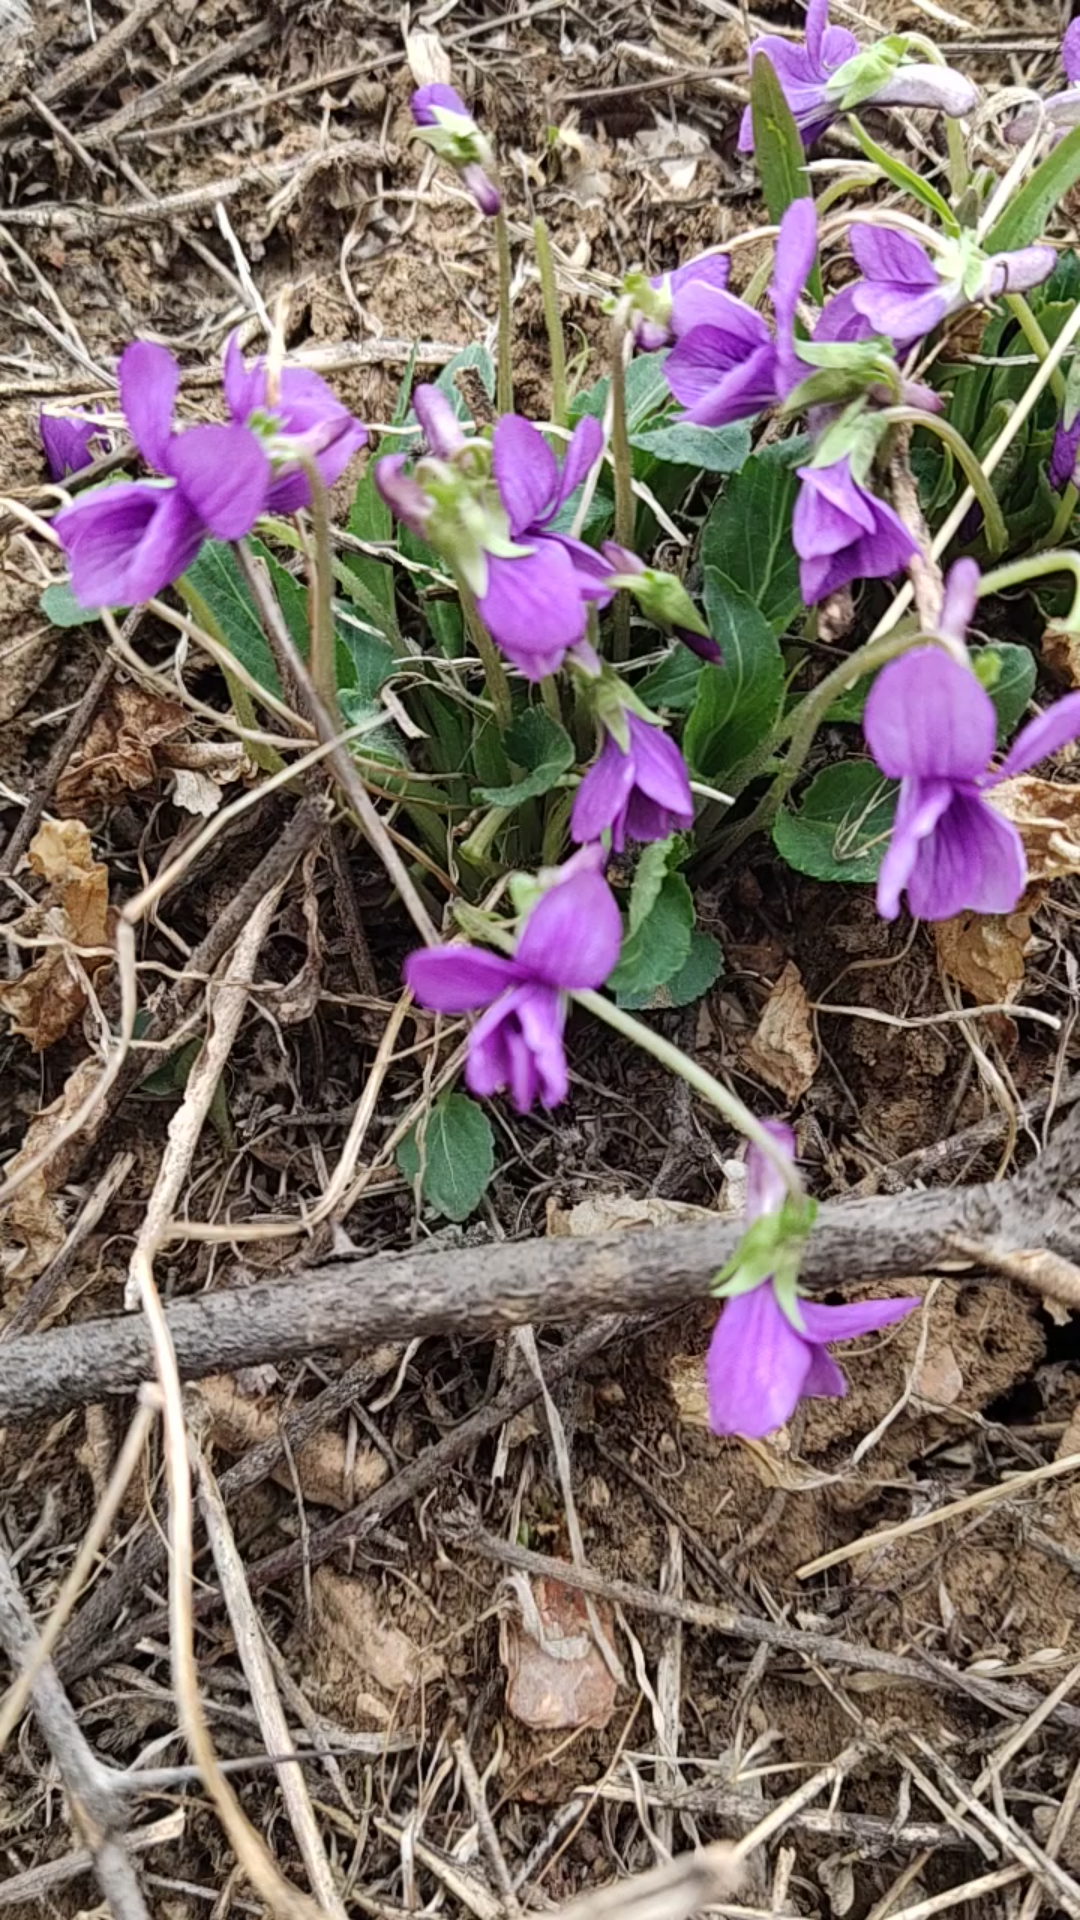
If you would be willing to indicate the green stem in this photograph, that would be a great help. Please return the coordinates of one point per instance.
(549, 293)
(959, 172)
(504, 373)
(710, 1089)
(498, 685)
(549, 694)
(803, 726)
(997, 537)
(1036, 339)
(479, 843)
(1032, 567)
(623, 471)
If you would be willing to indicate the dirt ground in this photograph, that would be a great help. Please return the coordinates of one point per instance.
(166, 182)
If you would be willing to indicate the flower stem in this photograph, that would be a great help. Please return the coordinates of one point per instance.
(549, 694)
(1032, 567)
(321, 660)
(549, 293)
(1036, 339)
(498, 685)
(504, 371)
(1062, 520)
(803, 724)
(710, 1089)
(997, 537)
(623, 471)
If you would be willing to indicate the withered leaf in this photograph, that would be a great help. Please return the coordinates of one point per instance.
(48, 997)
(117, 755)
(782, 1051)
(1046, 814)
(984, 953)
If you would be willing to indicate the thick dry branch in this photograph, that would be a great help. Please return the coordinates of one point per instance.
(472, 1290)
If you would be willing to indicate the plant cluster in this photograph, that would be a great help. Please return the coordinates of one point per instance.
(897, 386)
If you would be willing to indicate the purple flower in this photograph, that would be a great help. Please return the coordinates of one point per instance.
(842, 532)
(930, 725)
(534, 603)
(642, 793)
(570, 942)
(125, 543)
(765, 1356)
(1061, 110)
(904, 293)
(830, 73)
(304, 418)
(445, 124)
(659, 314)
(726, 364)
(1063, 457)
(68, 440)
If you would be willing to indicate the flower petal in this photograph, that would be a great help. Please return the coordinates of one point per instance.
(572, 937)
(765, 1187)
(853, 1318)
(883, 255)
(67, 440)
(245, 387)
(526, 471)
(901, 313)
(796, 246)
(927, 715)
(973, 859)
(603, 792)
(125, 543)
(716, 381)
(543, 1017)
(225, 474)
(926, 84)
(959, 599)
(1042, 737)
(659, 768)
(149, 379)
(533, 607)
(426, 101)
(582, 451)
(459, 979)
(742, 329)
(824, 1380)
(439, 423)
(921, 805)
(756, 1366)
(1070, 52)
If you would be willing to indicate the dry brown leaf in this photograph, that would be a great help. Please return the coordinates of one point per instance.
(1061, 651)
(117, 755)
(33, 1226)
(782, 1051)
(327, 1477)
(616, 1212)
(48, 997)
(1046, 814)
(353, 1642)
(984, 953)
(939, 1378)
(556, 1675)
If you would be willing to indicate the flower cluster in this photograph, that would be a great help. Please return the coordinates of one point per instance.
(125, 542)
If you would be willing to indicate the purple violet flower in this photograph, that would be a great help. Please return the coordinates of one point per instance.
(1061, 110)
(904, 293)
(570, 942)
(726, 364)
(932, 726)
(68, 441)
(766, 1355)
(1064, 454)
(126, 543)
(830, 73)
(305, 419)
(444, 123)
(640, 793)
(843, 532)
(659, 313)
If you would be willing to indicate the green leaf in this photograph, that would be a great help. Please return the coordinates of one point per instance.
(473, 358)
(214, 582)
(709, 449)
(1028, 211)
(647, 392)
(370, 519)
(674, 683)
(545, 750)
(738, 700)
(1014, 685)
(660, 945)
(380, 741)
(778, 149)
(841, 829)
(364, 660)
(454, 1154)
(290, 594)
(905, 178)
(747, 538)
(699, 971)
(649, 876)
(61, 608)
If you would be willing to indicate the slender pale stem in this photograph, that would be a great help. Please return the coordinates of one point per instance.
(959, 172)
(498, 685)
(997, 536)
(321, 661)
(1032, 567)
(504, 372)
(623, 472)
(1062, 520)
(804, 723)
(549, 694)
(710, 1089)
(1036, 339)
(549, 293)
